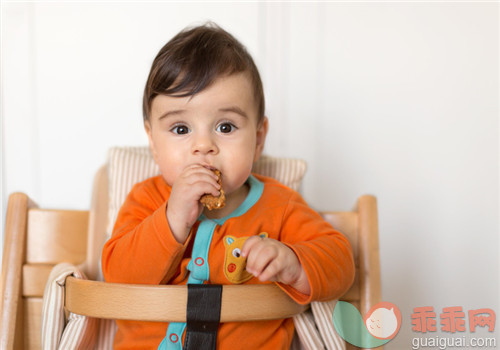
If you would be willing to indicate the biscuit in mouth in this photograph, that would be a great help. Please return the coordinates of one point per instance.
(212, 202)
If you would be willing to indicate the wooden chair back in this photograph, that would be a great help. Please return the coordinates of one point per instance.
(30, 252)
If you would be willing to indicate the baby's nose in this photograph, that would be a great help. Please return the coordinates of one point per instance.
(204, 144)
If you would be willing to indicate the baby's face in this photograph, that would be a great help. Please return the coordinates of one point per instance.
(216, 128)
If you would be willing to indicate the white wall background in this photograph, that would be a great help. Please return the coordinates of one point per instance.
(396, 99)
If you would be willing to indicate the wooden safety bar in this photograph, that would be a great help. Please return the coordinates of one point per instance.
(168, 303)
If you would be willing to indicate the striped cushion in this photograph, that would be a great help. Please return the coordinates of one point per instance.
(310, 339)
(126, 167)
(75, 332)
(315, 327)
(323, 316)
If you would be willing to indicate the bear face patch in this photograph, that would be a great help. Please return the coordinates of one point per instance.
(234, 264)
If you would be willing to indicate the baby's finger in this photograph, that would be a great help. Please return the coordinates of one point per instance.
(194, 174)
(202, 187)
(270, 271)
(202, 178)
(198, 168)
(193, 191)
(250, 244)
(260, 257)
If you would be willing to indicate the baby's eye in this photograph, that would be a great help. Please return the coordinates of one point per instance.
(226, 128)
(236, 252)
(180, 129)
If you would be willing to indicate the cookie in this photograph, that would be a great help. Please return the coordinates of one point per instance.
(212, 202)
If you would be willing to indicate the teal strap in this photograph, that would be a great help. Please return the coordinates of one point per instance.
(173, 340)
(198, 266)
(199, 272)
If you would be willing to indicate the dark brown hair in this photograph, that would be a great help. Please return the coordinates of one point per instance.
(194, 59)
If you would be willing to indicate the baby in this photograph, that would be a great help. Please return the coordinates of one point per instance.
(204, 116)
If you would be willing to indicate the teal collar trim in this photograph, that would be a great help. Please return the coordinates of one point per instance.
(256, 190)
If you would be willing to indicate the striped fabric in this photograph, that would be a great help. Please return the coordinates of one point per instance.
(323, 315)
(77, 332)
(315, 327)
(310, 339)
(126, 167)
(286, 170)
(106, 334)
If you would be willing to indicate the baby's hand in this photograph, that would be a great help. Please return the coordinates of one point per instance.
(184, 207)
(271, 260)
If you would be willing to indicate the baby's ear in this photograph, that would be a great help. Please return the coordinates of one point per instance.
(147, 127)
(263, 235)
(262, 129)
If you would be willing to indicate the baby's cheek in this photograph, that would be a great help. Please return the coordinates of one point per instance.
(236, 174)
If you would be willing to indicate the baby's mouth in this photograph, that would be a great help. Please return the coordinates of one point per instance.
(209, 167)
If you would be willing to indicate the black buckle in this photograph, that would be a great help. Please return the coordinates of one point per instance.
(203, 316)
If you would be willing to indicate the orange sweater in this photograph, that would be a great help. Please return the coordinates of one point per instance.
(143, 250)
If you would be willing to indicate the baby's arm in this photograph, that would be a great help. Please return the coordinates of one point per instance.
(271, 260)
(150, 235)
(142, 248)
(311, 261)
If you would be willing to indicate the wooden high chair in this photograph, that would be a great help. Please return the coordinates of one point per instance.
(37, 239)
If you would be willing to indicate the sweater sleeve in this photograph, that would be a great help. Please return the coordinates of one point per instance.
(325, 254)
(142, 248)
